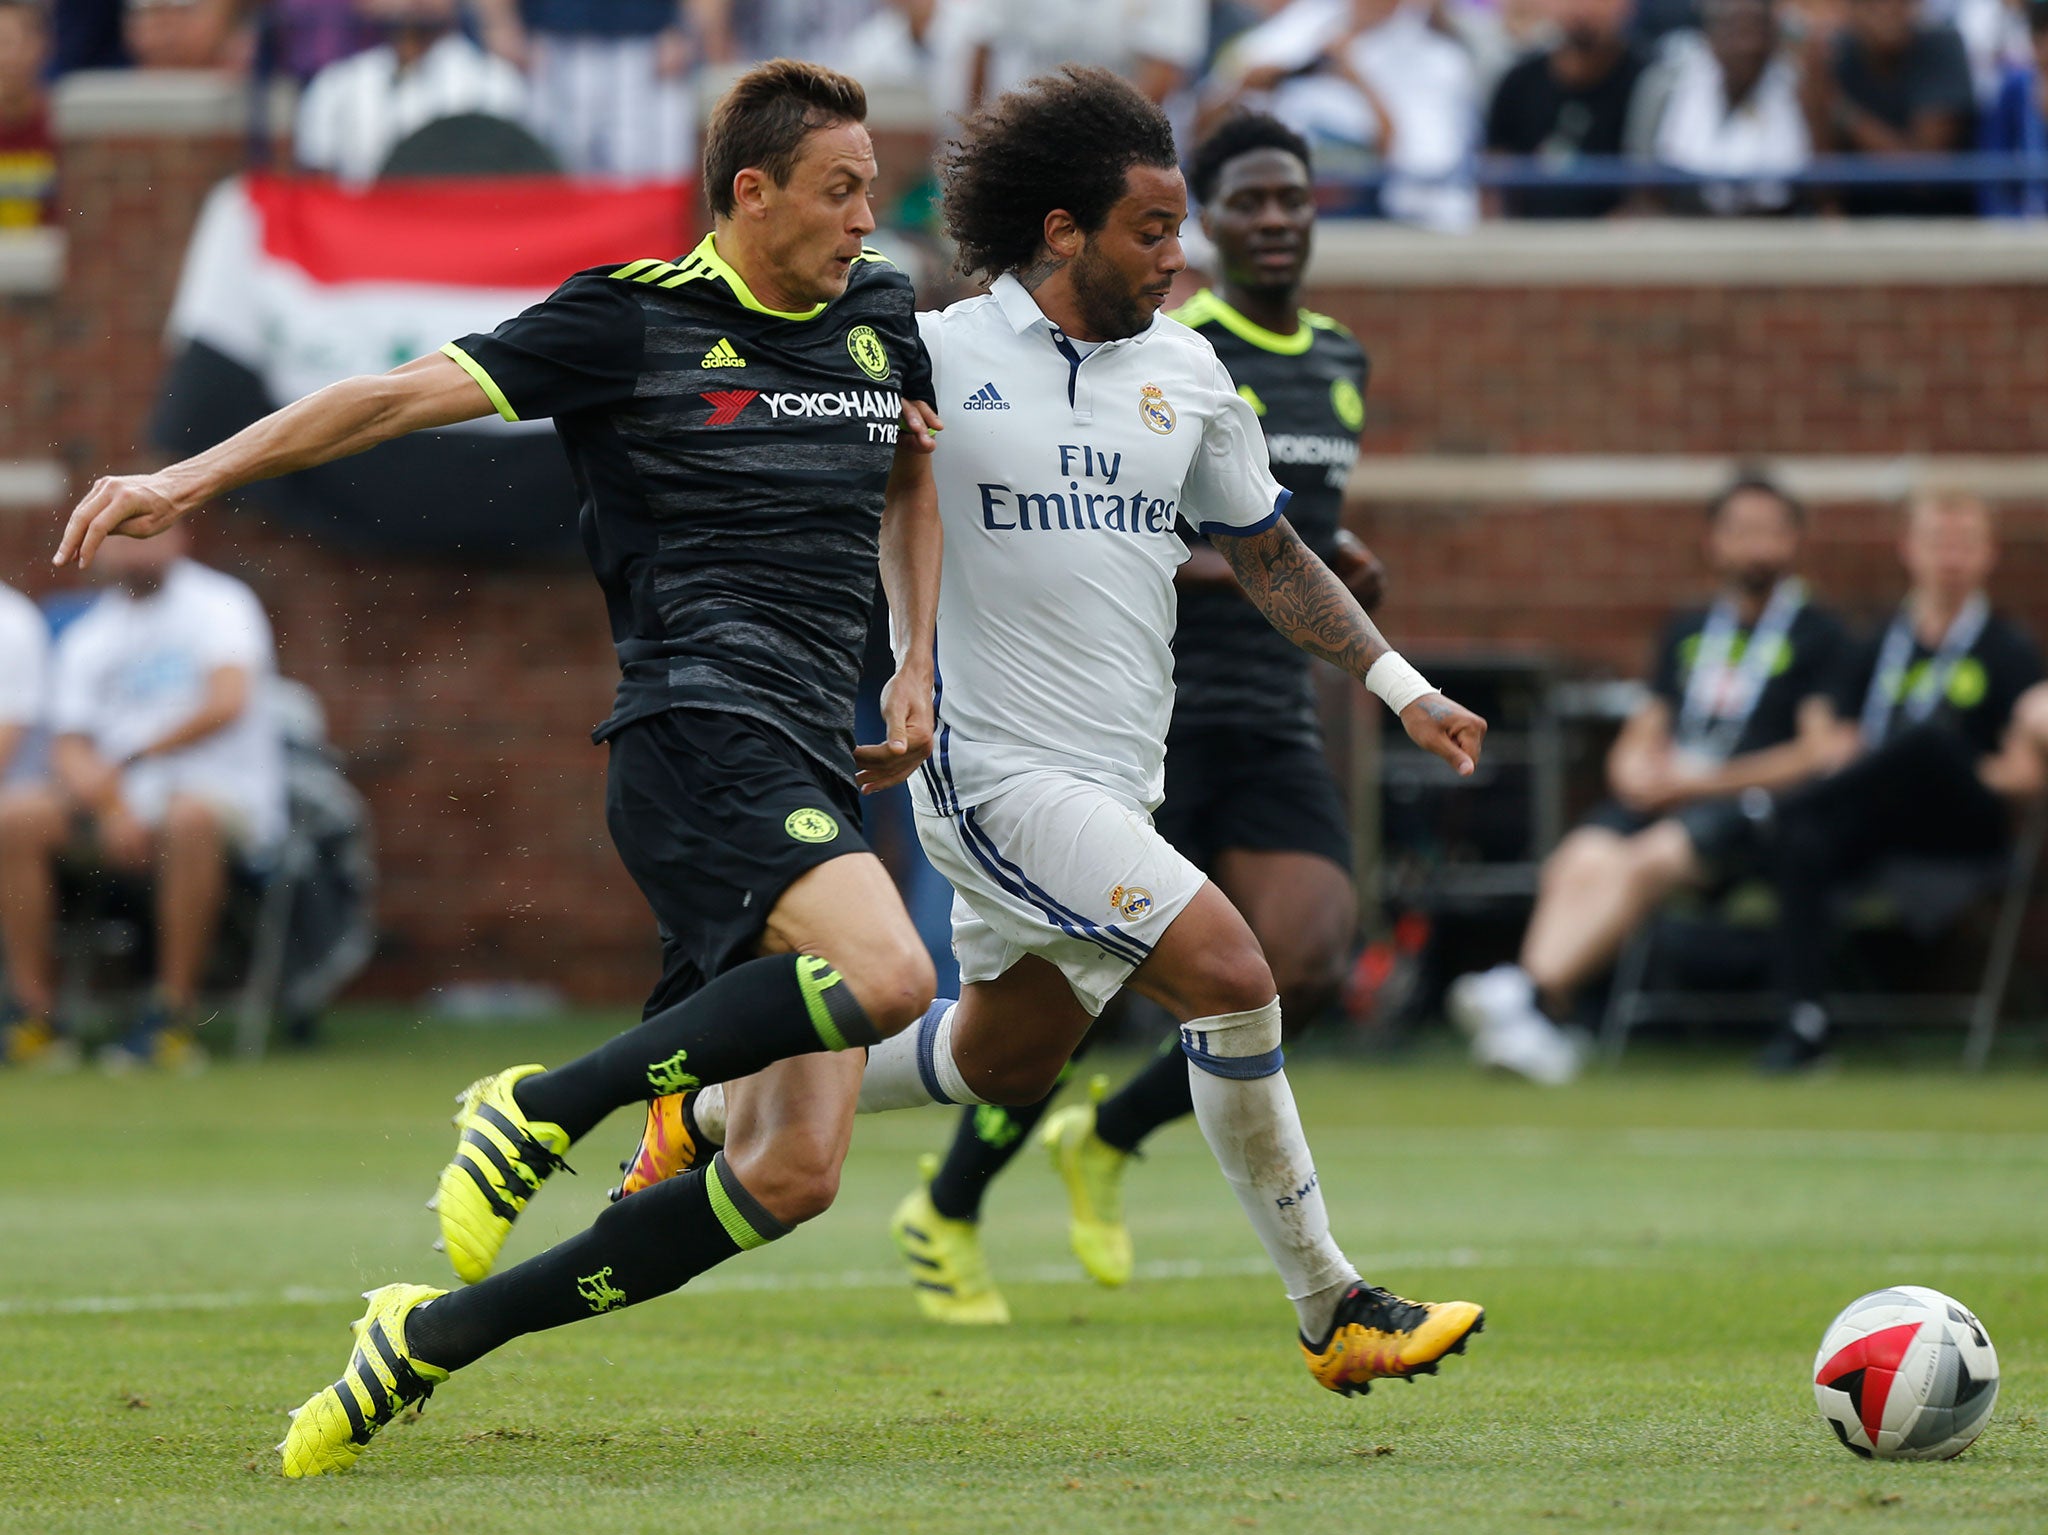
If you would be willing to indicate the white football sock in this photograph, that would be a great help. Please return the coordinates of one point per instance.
(916, 1067)
(1246, 1111)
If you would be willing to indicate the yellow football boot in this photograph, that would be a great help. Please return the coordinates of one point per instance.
(329, 1432)
(500, 1163)
(670, 1143)
(947, 1267)
(1376, 1335)
(30, 1042)
(1093, 1171)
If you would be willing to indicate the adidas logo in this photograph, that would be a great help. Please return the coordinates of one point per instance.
(723, 356)
(985, 398)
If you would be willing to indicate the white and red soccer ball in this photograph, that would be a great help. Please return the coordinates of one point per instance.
(1906, 1374)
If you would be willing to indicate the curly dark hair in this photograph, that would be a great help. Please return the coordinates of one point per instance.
(1062, 141)
(1240, 135)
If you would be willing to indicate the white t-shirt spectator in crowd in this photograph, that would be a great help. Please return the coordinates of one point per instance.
(358, 109)
(24, 663)
(887, 50)
(132, 669)
(1426, 82)
(1696, 130)
(1027, 38)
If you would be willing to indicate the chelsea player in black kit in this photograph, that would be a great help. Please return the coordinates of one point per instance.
(732, 422)
(1249, 792)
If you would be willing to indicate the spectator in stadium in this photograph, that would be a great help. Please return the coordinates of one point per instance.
(611, 80)
(1725, 102)
(2017, 122)
(1157, 45)
(1737, 711)
(28, 152)
(1890, 83)
(1367, 74)
(1933, 730)
(913, 43)
(1565, 104)
(30, 1034)
(166, 763)
(356, 110)
(185, 34)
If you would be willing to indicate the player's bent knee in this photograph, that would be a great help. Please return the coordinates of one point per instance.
(794, 1178)
(894, 989)
(1019, 1083)
(1235, 980)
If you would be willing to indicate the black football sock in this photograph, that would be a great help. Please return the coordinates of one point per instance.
(986, 1141)
(1158, 1095)
(646, 1245)
(752, 1016)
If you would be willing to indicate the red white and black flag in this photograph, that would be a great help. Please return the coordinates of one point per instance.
(291, 284)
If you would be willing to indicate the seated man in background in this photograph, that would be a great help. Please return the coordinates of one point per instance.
(166, 764)
(1737, 712)
(1890, 82)
(356, 110)
(28, 1037)
(1725, 102)
(1567, 103)
(1938, 719)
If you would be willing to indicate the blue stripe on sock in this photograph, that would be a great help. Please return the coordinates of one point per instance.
(1238, 1068)
(927, 1047)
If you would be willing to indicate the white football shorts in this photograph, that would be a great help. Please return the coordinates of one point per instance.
(1062, 869)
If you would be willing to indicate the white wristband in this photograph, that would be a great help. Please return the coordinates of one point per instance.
(1396, 682)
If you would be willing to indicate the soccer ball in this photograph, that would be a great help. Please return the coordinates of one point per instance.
(1906, 1374)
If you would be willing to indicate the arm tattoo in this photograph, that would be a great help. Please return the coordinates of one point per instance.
(1302, 598)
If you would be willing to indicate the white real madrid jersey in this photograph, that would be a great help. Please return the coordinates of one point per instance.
(1060, 478)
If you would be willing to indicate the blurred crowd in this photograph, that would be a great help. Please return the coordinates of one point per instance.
(1404, 100)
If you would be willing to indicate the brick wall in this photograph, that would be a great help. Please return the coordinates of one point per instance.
(464, 700)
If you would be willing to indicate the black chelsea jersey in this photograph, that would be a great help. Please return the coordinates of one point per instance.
(1231, 668)
(731, 461)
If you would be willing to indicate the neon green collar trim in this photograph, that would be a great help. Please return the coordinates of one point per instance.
(707, 252)
(1209, 305)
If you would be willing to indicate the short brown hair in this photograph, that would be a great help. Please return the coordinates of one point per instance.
(763, 120)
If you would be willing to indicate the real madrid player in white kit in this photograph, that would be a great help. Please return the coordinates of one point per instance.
(1056, 618)
(1081, 424)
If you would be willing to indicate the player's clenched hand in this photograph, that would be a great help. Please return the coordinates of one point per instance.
(132, 505)
(1452, 731)
(921, 425)
(907, 723)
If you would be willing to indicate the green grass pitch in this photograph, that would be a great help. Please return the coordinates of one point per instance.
(1658, 1252)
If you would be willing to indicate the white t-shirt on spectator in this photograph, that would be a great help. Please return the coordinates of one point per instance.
(131, 670)
(24, 660)
(357, 109)
(1027, 38)
(1426, 82)
(1696, 130)
(882, 52)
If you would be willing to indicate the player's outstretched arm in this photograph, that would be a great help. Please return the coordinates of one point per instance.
(343, 418)
(913, 541)
(1303, 598)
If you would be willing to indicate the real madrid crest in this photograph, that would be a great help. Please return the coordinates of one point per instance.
(1154, 411)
